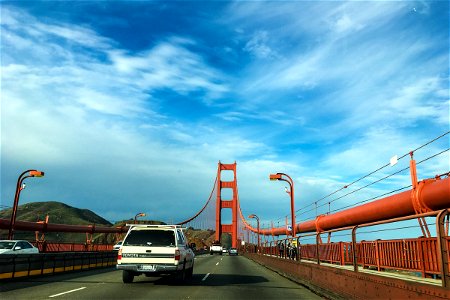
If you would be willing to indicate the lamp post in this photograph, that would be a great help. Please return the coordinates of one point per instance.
(279, 176)
(19, 187)
(253, 216)
(138, 215)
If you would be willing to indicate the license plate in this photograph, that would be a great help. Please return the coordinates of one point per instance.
(147, 268)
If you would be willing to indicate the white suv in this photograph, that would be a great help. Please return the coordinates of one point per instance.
(154, 250)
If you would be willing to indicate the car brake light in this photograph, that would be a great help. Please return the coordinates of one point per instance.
(177, 254)
(119, 255)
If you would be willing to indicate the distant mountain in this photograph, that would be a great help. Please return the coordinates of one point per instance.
(59, 213)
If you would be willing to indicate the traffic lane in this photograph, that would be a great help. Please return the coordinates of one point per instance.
(238, 276)
(36, 281)
(94, 284)
(215, 277)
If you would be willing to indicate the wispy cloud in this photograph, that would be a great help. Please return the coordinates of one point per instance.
(170, 65)
(322, 91)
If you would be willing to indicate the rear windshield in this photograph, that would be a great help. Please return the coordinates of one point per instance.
(152, 238)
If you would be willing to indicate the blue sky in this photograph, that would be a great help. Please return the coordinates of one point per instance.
(129, 106)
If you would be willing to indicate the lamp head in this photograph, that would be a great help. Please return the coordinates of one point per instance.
(276, 176)
(36, 173)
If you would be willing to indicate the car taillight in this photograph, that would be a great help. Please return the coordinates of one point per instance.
(119, 255)
(177, 255)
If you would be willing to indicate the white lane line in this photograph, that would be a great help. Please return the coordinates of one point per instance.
(206, 276)
(71, 291)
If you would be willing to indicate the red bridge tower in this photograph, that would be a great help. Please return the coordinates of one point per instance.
(232, 228)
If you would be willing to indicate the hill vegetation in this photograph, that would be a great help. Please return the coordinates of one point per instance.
(60, 213)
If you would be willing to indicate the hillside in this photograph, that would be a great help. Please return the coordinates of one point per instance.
(58, 213)
(61, 213)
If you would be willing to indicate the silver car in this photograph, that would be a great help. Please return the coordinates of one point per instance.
(17, 247)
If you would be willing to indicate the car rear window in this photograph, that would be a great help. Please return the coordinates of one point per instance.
(150, 238)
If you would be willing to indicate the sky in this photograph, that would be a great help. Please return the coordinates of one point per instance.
(128, 106)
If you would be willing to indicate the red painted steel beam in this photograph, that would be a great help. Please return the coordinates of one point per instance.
(49, 227)
(433, 194)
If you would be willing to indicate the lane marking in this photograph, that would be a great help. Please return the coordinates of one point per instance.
(71, 291)
(206, 276)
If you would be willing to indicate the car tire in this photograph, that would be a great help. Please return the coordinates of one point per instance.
(190, 272)
(127, 276)
(182, 274)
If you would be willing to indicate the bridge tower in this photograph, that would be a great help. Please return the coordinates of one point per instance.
(232, 228)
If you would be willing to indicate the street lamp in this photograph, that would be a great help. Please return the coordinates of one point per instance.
(138, 215)
(253, 216)
(19, 187)
(279, 176)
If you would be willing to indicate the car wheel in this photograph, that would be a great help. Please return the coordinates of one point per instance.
(127, 276)
(181, 275)
(190, 272)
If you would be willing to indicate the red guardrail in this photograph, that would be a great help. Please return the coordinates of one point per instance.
(414, 255)
(46, 247)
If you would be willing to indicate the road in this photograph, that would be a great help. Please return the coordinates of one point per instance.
(215, 277)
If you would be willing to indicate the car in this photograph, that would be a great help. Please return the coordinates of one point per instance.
(224, 250)
(155, 250)
(116, 247)
(232, 251)
(17, 247)
(216, 247)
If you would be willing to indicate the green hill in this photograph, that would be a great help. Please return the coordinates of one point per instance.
(58, 213)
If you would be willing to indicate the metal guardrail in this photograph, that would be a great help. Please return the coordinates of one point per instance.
(414, 255)
(47, 247)
(25, 265)
(428, 256)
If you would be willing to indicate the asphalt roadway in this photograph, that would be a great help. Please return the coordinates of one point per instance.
(215, 277)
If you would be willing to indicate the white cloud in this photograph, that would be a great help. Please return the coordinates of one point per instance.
(258, 46)
(172, 66)
(337, 98)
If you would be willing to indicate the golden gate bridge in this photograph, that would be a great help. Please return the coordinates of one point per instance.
(332, 236)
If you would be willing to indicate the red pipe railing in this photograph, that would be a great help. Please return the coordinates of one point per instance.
(49, 227)
(434, 194)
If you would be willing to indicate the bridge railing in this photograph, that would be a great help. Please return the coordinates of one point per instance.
(47, 247)
(427, 256)
(413, 255)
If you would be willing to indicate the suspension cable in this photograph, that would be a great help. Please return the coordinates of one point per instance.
(380, 168)
(314, 204)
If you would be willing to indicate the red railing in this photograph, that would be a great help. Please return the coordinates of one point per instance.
(413, 255)
(45, 247)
